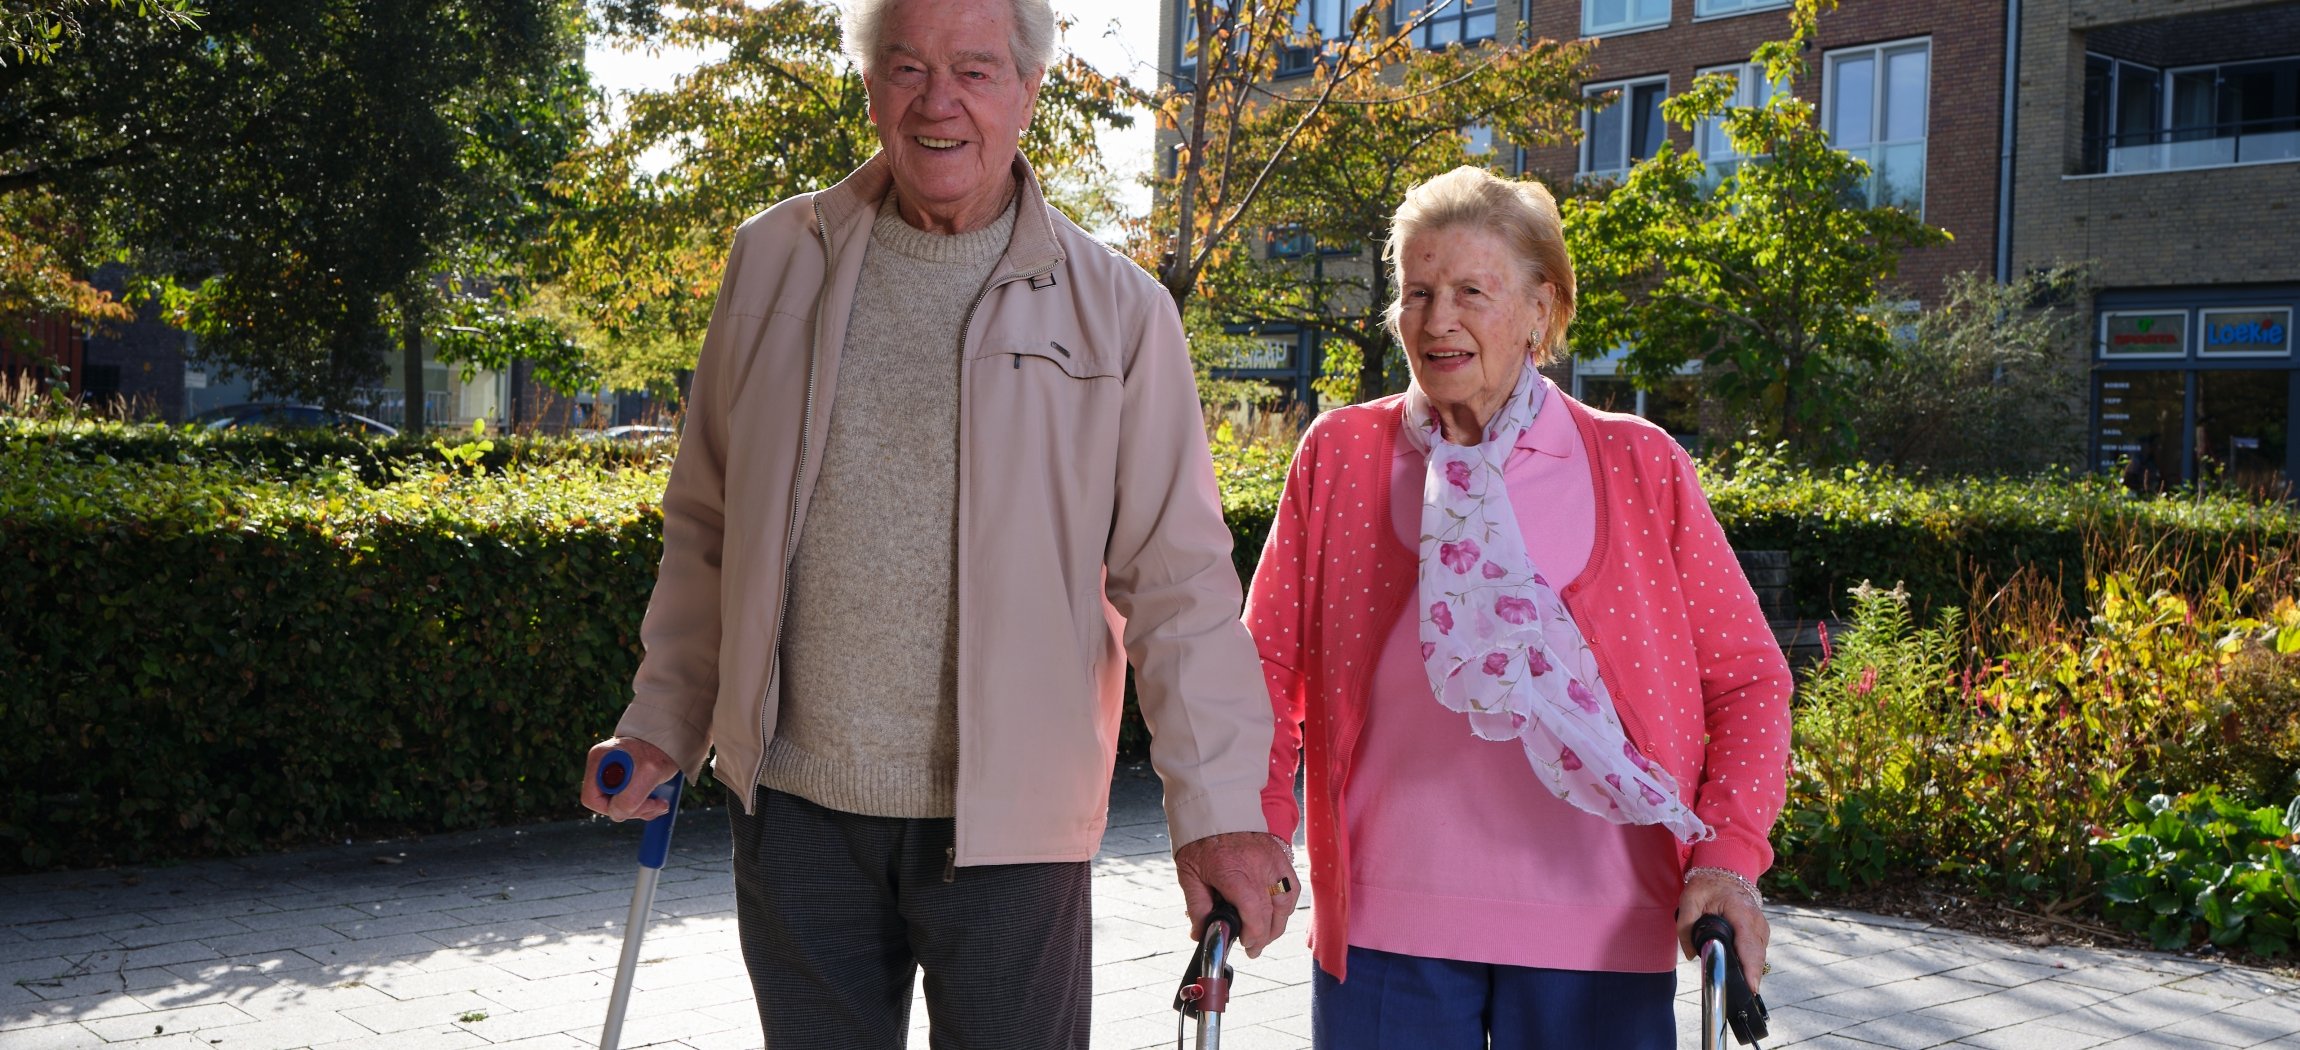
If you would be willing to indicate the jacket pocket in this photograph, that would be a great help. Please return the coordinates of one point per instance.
(1072, 357)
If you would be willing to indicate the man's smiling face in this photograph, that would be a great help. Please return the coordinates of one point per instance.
(950, 105)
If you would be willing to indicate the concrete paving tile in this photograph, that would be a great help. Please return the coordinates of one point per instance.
(415, 922)
(2143, 1011)
(441, 1037)
(503, 1026)
(374, 951)
(190, 1019)
(279, 940)
(2232, 1029)
(2168, 1039)
(558, 1042)
(1896, 997)
(300, 917)
(292, 1033)
(1912, 1030)
(429, 1011)
(2006, 973)
(68, 1036)
(2032, 1036)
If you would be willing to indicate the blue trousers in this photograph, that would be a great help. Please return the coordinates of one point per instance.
(1393, 1001)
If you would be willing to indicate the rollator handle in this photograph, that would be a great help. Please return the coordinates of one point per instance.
(1744, 1010)
(1200, 993)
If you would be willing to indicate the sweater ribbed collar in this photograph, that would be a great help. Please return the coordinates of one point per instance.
(977, 248)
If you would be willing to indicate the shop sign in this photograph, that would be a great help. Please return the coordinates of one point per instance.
(2246, 333)
(2155, 334)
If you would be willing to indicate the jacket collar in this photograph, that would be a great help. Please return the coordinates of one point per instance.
(1033, 248)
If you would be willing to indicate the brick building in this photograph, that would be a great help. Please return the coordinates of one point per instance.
(1917, 89)
(2159, 141)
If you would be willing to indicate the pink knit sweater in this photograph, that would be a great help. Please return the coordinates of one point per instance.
(1700, 685)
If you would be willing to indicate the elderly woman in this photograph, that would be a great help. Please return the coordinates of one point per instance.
(1546, 725)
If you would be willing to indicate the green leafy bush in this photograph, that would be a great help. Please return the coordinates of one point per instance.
(195, 659)
(2202, 867)
(293, 453)
(1943, 540)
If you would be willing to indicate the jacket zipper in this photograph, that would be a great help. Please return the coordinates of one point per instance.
(798, 484)
(958, 626)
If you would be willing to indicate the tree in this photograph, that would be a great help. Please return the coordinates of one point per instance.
(293, 179)
(654, 199)
(1774, 281)
(1982, 383)
(1382, 130)
(34, 30)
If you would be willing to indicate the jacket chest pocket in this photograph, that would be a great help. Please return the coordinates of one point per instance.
(1054, 357)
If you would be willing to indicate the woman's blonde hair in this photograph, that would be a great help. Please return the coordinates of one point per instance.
(1522, 213)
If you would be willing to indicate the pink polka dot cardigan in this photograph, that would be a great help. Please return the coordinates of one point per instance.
(1696, 675)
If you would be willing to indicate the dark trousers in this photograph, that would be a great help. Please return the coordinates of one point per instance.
(838, 911)
(1394, 1000)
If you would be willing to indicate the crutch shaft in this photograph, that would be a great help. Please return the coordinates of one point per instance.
(634, 931)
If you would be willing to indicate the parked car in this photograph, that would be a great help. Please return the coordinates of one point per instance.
(279, 415)
(630, 432)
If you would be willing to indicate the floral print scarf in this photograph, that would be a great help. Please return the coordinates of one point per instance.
(1498, 642)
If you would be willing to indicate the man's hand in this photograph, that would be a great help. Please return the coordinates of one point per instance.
(650, 768)
(1712, 894)
(1248, 868)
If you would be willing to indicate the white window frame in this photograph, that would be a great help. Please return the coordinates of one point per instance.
(1626, 94)
(1729, 8)
(1589, 28)
(1878, 94)
(1720, 150)
(1458, 12)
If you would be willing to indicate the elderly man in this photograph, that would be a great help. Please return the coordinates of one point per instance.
(944, 473)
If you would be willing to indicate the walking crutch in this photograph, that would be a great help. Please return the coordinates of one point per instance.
(1726, 1000)
(654, 845)
(1205, 987)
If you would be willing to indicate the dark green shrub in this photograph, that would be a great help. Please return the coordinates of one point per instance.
(196, 661)
(295, 453)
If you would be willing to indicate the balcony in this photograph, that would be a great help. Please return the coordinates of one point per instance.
(2201, 146)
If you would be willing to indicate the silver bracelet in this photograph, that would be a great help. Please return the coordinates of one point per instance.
(1748, 888)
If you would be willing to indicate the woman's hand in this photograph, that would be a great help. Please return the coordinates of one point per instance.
(1719, 893)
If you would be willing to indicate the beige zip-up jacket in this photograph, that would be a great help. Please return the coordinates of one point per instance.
(1089, 532)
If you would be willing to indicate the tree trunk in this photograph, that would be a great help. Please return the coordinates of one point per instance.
(411, 364)
(1374, 346)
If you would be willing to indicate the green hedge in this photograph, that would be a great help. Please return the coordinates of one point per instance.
(196, 661)
(295, 453)
(218, 642)
(1937, 538)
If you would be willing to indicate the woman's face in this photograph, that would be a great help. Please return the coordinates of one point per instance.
(1465, 315)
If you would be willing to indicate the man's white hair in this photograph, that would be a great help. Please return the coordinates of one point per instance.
(1033, 42)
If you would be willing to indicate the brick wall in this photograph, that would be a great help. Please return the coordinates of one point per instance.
(2202, 226)
(1962, 122)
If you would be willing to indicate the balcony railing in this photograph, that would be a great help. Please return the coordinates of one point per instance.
(387, 406)
(2194, 146)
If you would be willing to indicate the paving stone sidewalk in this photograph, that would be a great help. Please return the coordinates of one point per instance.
(508, 939)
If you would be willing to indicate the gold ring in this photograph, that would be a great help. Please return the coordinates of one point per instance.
(1768, 969)
(1283, 886)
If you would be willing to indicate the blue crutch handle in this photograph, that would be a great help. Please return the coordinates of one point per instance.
(614, 775)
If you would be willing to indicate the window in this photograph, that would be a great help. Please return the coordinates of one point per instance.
(1751, 90)
(1458, 22)
(1477, 140)
(1316, 22)
(2244, 333)
(1708, 8)
(2140, 118)
(1613, 16)
(1186, 29)
(2197, 393)
(1674, 405)
(1622, 126)
(1874, 100)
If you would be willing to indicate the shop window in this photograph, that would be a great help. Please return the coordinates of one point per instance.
(2139, 426)
(1874, 106)
(2242, 427)
(1622, 126)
